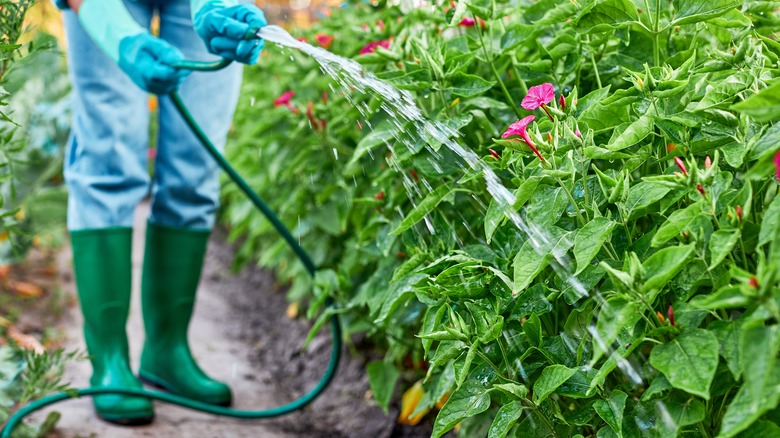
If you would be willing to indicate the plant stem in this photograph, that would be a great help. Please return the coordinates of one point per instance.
(495, 72)
(656, 51)
(506, 358)
(593, 62)
(573, 202)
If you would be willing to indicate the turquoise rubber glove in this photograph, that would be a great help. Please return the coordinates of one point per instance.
(145, 58)
(225, 30)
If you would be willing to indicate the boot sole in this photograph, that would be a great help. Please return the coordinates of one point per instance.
(127, 421)
(155, 383)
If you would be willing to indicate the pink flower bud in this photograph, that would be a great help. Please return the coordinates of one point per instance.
(679, 162)
(670, 314)
(739, 212)
(700, 188)
(562, 103)
(707, 163)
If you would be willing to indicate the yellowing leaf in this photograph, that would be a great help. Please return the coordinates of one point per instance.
(409, 402)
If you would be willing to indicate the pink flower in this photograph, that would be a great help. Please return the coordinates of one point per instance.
(538, 96)
(285, 100)
(519, 128)
(471, 22)
(777, 165)
(372, 46)
(324, 40)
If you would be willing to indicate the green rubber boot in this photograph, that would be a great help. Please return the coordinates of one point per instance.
(101, 259)
(172, 266)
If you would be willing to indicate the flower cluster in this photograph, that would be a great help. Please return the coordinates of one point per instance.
(537, 97)
(372, 46)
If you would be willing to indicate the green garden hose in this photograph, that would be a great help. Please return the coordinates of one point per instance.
(258, 202)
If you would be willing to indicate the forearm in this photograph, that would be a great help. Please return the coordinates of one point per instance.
(197, 5)
(107, 22)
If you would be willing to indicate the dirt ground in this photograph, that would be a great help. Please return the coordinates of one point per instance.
(240, 334)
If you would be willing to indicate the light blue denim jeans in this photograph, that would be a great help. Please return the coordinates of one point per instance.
(106, 162)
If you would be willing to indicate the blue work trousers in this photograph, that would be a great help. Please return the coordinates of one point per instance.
(106, 162)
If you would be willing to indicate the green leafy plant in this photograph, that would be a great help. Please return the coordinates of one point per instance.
(644, 301)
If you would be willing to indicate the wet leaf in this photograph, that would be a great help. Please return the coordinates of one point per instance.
(688, 361)
(552, 377)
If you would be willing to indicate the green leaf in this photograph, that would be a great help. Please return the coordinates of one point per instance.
(472, 398)
(727, 297)
(466, 85)
(493, 218)
(661, 267)
(506, 417)
(643, 195)
(688, 361)
(676, 223)
(616, 314)
(513, 389)
(433, 317)
(382, 377)
(590, 239)
(605, 15)
(423, 208)
(383, 134)
(517, 34)
(677, 415)
(726, 90)
(611, 410)
(551, 378)
(762, 106)
(633, 134)
(533, 330)
(721, 244)
(760, 391)
(529, 262)
(771, 222)
(728, 334)
(692, 11)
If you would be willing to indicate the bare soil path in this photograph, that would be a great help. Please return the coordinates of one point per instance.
(240, 334)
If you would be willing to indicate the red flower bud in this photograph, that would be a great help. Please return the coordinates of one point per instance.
(380, 196)
(700, 188)
(414, 174)
(739, 212)
(670, 314)
(753, 282)
(707, 163)
(679, 162)
(494, 154)
(400, 255)
(562, 103)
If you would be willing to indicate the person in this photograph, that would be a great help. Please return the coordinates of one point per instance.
(114, 62)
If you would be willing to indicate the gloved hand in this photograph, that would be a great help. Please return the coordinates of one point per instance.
(143, 57)
(224, 29)
(147, 60)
